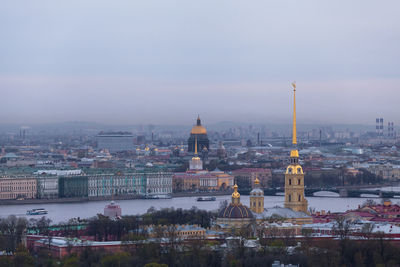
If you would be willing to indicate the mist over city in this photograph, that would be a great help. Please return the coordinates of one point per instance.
(164, 63)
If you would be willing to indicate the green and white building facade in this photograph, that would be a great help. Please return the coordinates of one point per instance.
(140, 183)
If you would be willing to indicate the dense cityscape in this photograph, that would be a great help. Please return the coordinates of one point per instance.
(155, 164)
(199, 133)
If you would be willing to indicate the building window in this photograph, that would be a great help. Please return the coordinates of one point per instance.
(298, 181)
(290, 181)
(299, 198)
(290, 198)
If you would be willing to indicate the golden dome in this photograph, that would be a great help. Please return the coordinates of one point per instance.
(198, 128)
(235, 193)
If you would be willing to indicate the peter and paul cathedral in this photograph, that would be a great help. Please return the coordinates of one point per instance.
(294, 211)
(294, 176)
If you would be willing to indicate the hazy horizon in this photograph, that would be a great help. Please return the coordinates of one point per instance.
(214, 127)
(151, 62)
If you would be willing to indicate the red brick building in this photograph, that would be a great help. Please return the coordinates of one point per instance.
(60, 246)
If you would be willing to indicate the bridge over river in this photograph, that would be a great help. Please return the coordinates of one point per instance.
(342, 192)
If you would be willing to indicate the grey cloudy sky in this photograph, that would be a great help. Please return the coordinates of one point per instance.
(166, 61)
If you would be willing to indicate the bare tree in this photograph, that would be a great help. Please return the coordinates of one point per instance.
(13, 229)
(369, 202)
(342, 229)
(173, 243)
(367, 230)
(223, 204)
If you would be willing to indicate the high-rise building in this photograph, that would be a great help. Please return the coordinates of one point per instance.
(115, 141)
(391, 133)
(294, 176)
(379, 126)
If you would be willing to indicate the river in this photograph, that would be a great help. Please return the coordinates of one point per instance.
(62, 212)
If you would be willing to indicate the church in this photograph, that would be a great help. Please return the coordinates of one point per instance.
(198, 179)
(198, 134)
(237, 215)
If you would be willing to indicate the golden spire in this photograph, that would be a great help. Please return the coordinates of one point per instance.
(294, 136)
(294, 153)
(195, 146)
(256, 181)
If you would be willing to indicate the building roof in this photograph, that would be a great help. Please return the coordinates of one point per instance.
(65, 242)
(236, 211)
(257, 191)
(198, 128)
(250, 170)
(281, 212)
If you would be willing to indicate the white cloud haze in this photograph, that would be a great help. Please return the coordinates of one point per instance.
(166, 61)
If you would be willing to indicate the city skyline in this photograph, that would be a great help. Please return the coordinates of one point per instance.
(199, 133)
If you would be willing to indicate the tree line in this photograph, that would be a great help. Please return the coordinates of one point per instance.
(372, 249)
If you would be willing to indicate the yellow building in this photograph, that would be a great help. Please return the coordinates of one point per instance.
(224, 180)
(294, 176)
(257, 198)
(187, 231)
(13, 188)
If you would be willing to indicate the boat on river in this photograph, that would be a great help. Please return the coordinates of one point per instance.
(166, 196)
(206, 199)
(36, 212)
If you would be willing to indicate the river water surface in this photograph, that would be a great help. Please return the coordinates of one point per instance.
(62, 212)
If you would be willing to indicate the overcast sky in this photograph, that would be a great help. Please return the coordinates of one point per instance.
(131, 62)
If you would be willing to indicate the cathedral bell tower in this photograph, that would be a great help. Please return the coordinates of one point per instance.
(257, 198)
(294, 176)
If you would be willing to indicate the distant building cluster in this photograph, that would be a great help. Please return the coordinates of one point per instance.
(115, 141)
(202, 160)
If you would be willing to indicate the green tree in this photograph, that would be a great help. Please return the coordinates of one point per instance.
(5, 262)
(71, 261)
(122, 259)
(22, 257)
(154, 264)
